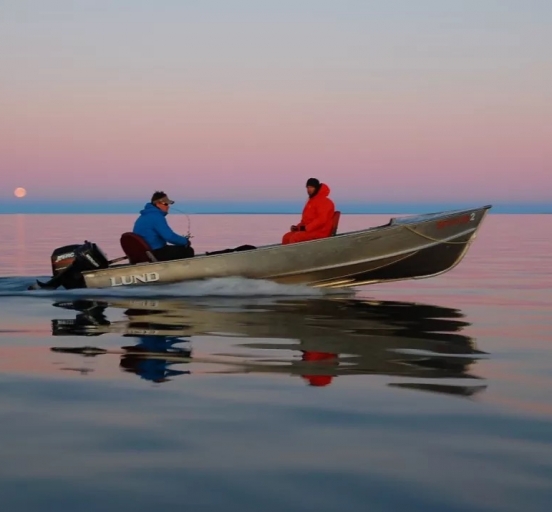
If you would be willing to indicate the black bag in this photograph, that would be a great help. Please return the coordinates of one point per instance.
(236, 249)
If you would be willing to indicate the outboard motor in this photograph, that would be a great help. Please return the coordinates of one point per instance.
(63, 257)
(68, 263)
(90, 257)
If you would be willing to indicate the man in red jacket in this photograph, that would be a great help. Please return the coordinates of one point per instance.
(317, 218)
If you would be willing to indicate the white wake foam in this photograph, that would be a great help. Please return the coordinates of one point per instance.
(216, 287)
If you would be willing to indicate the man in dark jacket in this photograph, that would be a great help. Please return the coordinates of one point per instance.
(152, 226)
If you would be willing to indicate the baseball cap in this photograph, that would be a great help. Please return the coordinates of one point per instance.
(161, 197)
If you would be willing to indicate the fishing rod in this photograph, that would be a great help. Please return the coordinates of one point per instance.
(189, 234)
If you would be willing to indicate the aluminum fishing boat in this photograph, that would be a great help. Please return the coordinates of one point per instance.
(412, 247)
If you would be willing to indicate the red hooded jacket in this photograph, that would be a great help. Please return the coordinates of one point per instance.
(318, 213)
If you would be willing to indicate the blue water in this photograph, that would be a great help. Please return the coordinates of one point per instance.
(244, 395)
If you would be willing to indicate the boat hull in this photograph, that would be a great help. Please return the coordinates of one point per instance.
(405, 248)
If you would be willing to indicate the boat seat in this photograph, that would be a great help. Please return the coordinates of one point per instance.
(335, 222)
(136, 249)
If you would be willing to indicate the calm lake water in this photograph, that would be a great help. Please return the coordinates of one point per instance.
(238, 395)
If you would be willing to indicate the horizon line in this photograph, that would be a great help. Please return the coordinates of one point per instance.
(490, 212)
(264, 208)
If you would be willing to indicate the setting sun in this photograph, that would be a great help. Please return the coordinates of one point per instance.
(19, 192)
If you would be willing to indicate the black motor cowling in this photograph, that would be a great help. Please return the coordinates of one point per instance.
(63, 257)
(90, 257)
(70, 261)
(87, 256)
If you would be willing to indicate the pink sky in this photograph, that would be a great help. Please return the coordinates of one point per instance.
(454, 110)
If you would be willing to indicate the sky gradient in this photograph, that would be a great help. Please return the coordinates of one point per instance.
(218, 102)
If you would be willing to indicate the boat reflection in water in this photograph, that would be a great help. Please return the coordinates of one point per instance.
(419, 346)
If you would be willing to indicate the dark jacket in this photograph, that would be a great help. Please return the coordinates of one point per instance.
(153, 228)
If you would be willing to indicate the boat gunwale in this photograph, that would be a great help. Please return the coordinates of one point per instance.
(392, 224)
